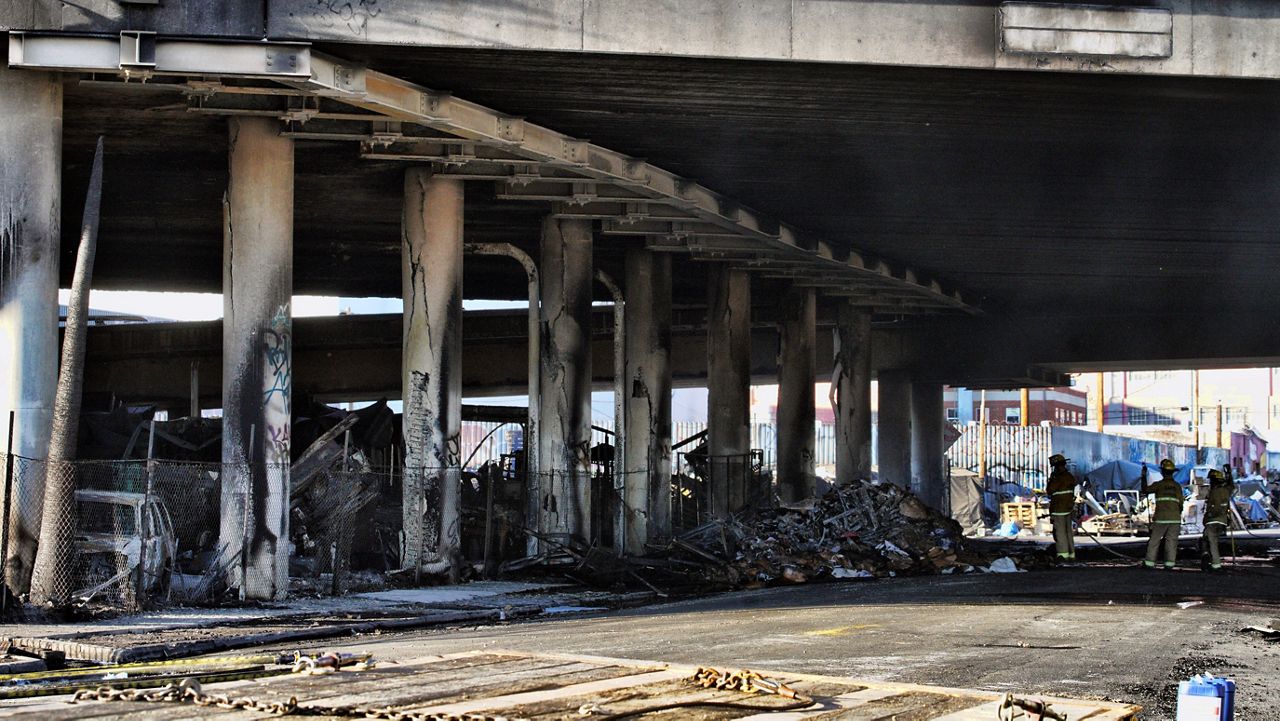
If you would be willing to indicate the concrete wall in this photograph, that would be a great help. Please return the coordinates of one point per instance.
(228, 18)
(1232, 38)
(1089, 449)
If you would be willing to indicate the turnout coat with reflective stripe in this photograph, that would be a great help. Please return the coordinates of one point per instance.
(1168, 500)
(1217, 508)
(1062, 492)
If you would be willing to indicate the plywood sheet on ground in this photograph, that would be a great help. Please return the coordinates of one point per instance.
(557, 686)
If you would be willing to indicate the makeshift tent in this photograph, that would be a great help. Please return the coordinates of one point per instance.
(1127, 476)
(966, 499)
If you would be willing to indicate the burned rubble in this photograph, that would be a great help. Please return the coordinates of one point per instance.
(864, 529)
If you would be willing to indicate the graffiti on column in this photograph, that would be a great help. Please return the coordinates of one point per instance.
(278, 384)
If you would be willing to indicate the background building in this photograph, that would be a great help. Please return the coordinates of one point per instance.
(1060, 406)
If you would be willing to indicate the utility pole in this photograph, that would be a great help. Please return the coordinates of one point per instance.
(1099, 404)
(982, 437)
(1195, 410)
(1026, 401)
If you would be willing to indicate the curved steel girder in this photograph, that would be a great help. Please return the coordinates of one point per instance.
(525, 157)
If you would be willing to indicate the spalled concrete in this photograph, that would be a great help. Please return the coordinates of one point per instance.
(851, 393)
(257, 358)
(432, 368)
(647, 395)
(564, 453)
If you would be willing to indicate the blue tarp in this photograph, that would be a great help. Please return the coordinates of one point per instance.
(1127, 476)
(1257, 512)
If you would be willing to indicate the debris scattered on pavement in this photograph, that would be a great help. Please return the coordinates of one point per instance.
(861, 530)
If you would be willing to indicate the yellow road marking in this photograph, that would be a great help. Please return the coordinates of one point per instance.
(841, 630)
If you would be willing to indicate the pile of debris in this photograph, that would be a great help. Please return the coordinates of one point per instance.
(861, 530)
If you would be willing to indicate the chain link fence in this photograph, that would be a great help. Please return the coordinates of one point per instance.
(136, 531)
(143, 533)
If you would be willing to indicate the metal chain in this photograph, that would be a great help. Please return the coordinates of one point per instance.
(189, 691)
(745, 681)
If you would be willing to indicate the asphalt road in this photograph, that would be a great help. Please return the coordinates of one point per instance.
(1099, 632)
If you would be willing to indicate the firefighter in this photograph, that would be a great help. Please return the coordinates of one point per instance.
(1217, 514)
(1166, 520)
(1061, 490)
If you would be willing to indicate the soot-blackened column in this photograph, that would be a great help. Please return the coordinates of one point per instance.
(928, 455)
(647, 467)
(30, 214)
(565, 443)
(851, 393)
(894, 438)
(729, 388)
(257, 358)
(797, 340)
(431, 254)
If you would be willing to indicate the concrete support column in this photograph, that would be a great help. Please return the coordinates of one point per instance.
(30, 214)
(894, 438)
(797, 363)
(647, 465)
(728, 387)
(851, 391)
(928, 460)
(431, 252)
(257, 362)
(565, 444)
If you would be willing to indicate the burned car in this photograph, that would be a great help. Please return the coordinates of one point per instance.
(123, 540)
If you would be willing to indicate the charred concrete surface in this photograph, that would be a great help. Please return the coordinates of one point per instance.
(1060, 223)
(30, 212)
(728, 386)
(432, 368)
(797, 331)
(257, 359)
(359, 357)
(851, 392)
(647, 394)
(565, 442)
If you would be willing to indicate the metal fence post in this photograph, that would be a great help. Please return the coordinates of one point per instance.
(146, 502)
(4, 532)
(339, 537)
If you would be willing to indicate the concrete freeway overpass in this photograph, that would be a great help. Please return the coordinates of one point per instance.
(1002, 191)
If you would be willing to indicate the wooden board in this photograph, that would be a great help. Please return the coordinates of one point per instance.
(550, 687)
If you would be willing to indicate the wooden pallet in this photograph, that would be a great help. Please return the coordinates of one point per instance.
(1023, 513)
(554, 686)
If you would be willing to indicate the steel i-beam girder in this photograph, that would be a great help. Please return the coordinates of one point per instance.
(321, 97)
